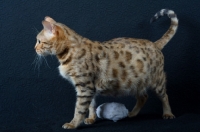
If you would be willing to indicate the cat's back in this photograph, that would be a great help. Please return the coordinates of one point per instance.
(125, 52)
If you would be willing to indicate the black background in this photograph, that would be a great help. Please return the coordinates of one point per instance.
(33, 99)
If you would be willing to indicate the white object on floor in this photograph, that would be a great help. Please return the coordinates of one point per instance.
(112, 111)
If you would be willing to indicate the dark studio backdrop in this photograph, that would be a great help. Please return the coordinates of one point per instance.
(39, 100)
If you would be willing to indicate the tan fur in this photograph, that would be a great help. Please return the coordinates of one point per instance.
(121, 66)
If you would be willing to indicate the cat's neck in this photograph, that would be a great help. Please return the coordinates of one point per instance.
(71, 42)
(72, 38)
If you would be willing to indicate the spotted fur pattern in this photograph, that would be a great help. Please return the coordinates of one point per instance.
(121, 66)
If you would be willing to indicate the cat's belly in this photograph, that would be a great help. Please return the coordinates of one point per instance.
(113, 88)
(116, 93)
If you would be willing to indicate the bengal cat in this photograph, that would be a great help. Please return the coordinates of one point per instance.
(121, 66)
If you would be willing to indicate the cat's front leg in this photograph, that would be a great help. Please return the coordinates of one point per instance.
(92, 113)
(85, 94)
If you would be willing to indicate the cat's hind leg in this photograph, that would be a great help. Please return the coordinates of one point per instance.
(167, 114)
(141, 100)
(161, 92)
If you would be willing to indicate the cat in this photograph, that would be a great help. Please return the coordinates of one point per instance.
(121, 66)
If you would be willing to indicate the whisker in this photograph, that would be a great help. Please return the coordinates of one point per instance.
(35, 29)
(46, 62)
(39, 64)
(34, 61)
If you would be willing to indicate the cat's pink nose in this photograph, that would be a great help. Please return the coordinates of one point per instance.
(35, 47)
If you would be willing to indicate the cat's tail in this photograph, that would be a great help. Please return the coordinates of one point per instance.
(172, 29)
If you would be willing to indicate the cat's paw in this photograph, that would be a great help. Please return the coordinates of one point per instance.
(89, 121)
(68, 126)
(168, 116)
(131, 114)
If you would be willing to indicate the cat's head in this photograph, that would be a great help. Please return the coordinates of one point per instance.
(49, 40)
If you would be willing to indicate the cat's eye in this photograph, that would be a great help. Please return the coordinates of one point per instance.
(39, 41)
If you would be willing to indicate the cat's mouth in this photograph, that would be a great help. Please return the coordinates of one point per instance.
(42, 53)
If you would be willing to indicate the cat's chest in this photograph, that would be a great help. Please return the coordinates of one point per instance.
(64, 72)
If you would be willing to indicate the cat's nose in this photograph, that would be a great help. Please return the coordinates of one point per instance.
(36, 48)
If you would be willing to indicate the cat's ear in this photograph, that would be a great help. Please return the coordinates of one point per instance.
(49, 19)
(49, 27)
